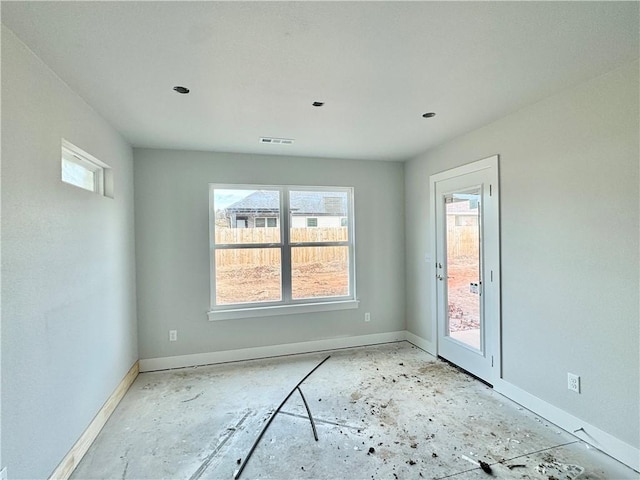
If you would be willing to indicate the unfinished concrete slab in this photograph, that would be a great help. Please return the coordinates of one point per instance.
(388, 411)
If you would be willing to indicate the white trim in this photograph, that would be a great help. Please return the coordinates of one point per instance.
(612, 446)
(69, 161)
(600, 439)
(421, 343)
(102, 180)
(86, 156)
(489, 162)
(252, 312)
(164, 363)
(228, 312)
(491, 257)
(433, 237)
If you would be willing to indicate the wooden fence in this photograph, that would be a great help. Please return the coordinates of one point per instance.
(225, 235)
(462, 241)
(271, 256)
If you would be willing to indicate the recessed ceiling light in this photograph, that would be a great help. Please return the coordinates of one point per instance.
(429, 114)
(317, 104)
(179, 89)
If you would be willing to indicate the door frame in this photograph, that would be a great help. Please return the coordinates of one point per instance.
(492, 305)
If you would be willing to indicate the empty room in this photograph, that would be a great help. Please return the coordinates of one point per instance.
(320, 240)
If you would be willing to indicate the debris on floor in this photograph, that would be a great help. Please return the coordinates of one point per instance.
(423, 411)
(552, 467)
(486, 468)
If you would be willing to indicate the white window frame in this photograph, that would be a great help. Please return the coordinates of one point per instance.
(287, 305)
(102, 179)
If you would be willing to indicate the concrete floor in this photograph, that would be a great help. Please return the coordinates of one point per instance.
(383, 412)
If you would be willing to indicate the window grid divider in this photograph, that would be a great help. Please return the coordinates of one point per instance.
(286, 246)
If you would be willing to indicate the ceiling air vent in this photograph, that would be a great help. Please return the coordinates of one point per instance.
(276, 141)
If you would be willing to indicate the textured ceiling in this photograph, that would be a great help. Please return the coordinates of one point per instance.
(255, 68)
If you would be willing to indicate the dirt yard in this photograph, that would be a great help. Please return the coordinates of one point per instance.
(464, 306)
(248, 283)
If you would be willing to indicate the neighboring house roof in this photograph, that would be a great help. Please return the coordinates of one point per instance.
(302, 203)
(262, 200)
(461, 208)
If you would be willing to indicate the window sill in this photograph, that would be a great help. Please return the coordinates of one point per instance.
(253, 312)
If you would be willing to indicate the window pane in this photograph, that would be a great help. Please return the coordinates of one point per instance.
(78, 175)
(248, 275)
(240, 216)
(319, 272)
(318, 216)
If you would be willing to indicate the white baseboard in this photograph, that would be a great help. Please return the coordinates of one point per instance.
(614, 447)
(71, 460)
(600, 439)
(165, 363)
(421, 343)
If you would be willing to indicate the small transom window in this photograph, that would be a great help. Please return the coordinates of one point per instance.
(83, 170)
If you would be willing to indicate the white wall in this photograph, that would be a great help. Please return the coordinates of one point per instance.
(172, 245)
(569, 220)
(68, 278)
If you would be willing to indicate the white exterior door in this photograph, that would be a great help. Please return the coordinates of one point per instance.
(467, 267)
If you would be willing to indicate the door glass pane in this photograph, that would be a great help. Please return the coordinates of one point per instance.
(248, 275)
(246, 216)
(319, 272)
(464, 319)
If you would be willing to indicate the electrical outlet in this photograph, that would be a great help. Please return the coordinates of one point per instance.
(573, 382)
(367, 317)
(173, 335)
